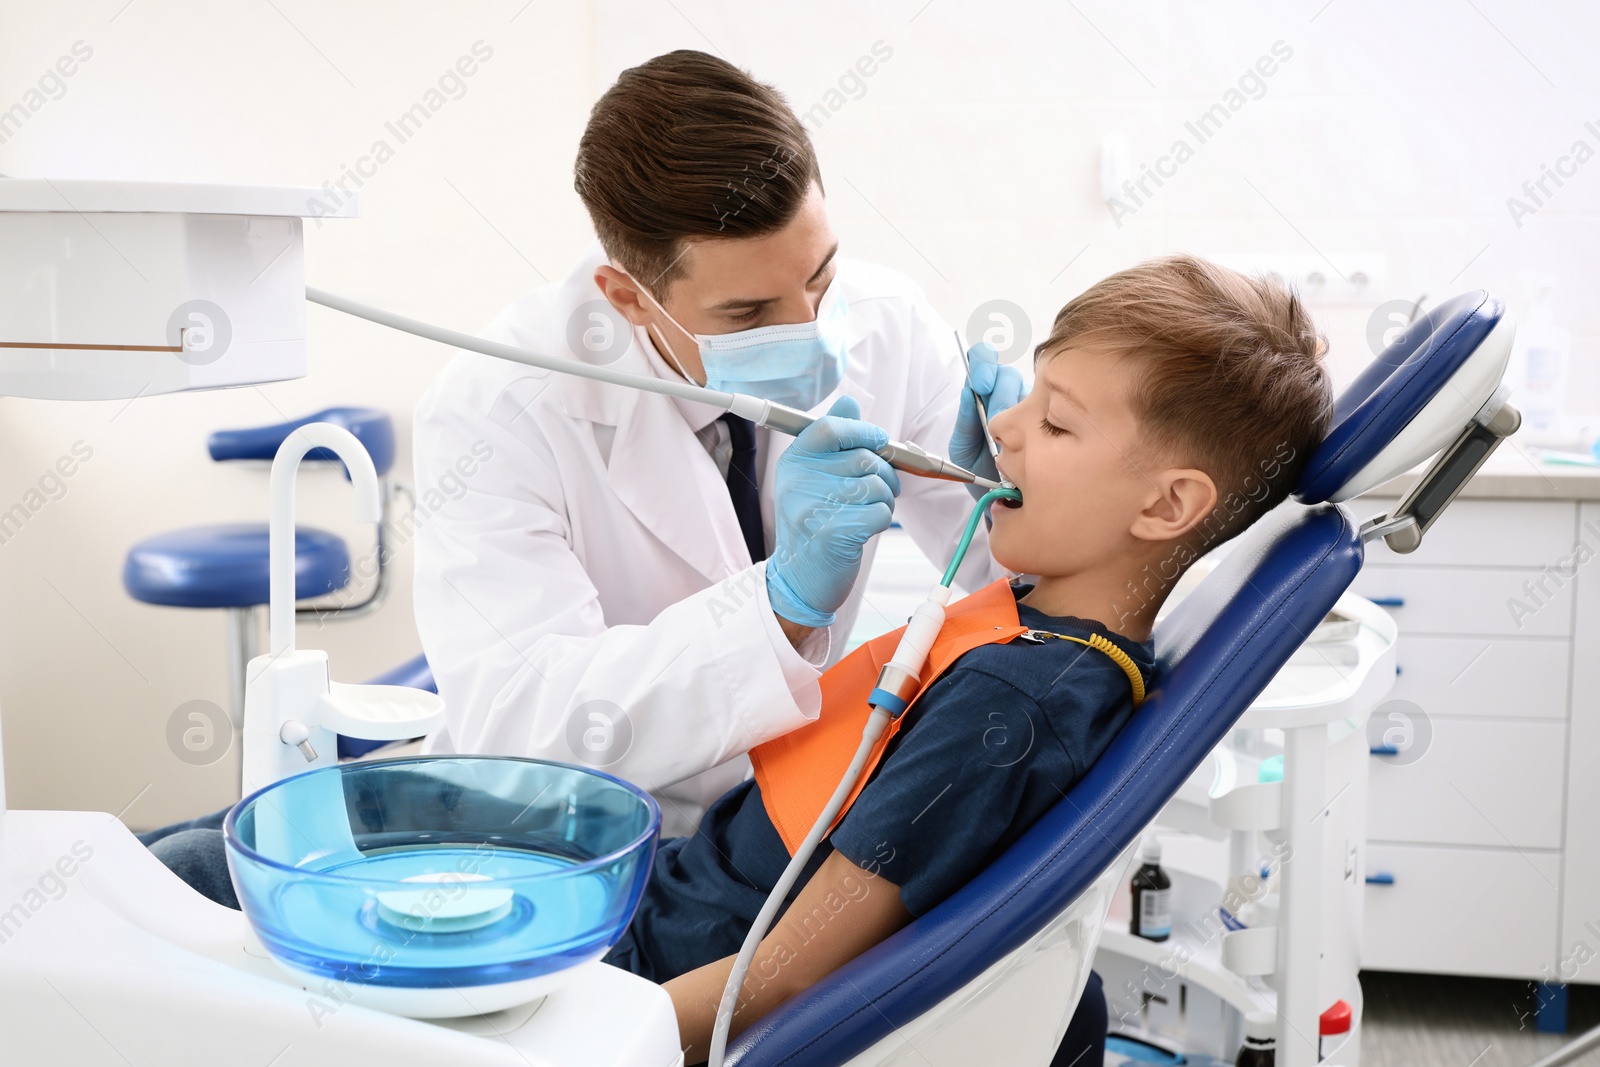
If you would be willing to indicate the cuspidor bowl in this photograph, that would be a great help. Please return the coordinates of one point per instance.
(441, 886)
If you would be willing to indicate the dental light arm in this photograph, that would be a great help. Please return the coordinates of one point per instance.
(901, 455)
(897, 684)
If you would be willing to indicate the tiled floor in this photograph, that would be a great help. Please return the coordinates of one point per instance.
(1433, 1021)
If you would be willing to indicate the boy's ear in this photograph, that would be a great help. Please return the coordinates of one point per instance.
(1182, 499)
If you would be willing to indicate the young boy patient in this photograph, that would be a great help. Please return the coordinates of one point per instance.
(1173, 404)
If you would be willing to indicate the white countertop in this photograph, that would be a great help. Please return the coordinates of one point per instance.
(197, 198)
(1513, 472)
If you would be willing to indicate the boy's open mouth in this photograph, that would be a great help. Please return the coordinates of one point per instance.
(1006, 478)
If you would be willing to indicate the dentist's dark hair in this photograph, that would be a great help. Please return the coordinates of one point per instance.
(687, 146)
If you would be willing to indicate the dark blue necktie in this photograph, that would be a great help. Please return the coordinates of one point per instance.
(742, 484)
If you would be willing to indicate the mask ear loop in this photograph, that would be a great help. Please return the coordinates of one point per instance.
(661, 339)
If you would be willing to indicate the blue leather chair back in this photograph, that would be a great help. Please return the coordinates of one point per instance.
(373, 428)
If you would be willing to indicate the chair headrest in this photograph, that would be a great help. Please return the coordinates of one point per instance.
(1413, 399)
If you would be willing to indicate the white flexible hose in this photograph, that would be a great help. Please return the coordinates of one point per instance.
(876, 724)
(897, 681)
(902, 456)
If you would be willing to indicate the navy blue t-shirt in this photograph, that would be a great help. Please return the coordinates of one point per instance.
(988, 748)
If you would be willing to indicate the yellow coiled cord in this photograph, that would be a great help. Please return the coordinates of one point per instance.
(1109, 647)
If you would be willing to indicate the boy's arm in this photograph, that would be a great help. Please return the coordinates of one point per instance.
(840, 913)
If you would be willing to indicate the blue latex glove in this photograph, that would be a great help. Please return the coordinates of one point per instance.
(832, 494)
(1000, 387)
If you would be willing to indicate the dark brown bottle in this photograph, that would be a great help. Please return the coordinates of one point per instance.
(1151, 917)
(1260, 1048)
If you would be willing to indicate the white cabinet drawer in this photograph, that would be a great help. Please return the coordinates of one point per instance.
(1460, 911)
(1468, 600)
(1487, 533)
(1504, 678)
(1476, 782)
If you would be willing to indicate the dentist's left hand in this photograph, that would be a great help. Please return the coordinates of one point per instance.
(832, 494)
(1000, 387)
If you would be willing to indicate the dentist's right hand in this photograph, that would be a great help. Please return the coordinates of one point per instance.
(831, 495)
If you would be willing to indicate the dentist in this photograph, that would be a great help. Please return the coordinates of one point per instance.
(646, 585)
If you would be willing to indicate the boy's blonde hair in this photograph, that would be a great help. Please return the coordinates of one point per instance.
(1229, 376)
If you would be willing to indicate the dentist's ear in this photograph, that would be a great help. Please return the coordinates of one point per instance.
(624, 294)
(1180, 501)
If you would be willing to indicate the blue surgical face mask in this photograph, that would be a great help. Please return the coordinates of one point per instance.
(799, 364)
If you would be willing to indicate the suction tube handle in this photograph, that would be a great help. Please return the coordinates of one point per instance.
(897, 685)
(898, 681)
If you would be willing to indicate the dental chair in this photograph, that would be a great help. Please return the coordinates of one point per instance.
(993, 973)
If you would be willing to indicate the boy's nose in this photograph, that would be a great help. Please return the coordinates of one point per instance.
(1002, 427)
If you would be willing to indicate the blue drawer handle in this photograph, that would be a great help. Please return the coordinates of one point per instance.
(1384, 750)
(1388, 601)
(1380, 878)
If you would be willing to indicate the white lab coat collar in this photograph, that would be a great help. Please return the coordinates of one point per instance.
(855, 377)
(683, 501)
(698, 416)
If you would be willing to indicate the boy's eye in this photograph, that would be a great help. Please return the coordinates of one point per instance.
(1051, 428)
(743, 316)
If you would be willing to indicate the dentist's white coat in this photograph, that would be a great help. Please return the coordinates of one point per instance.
(588, 596)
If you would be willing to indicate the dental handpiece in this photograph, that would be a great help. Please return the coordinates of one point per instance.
(900, 455)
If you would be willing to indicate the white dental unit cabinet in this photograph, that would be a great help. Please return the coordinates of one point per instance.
(114, 290)
(1483, 826)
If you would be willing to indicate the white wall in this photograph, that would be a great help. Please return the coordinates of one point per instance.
(475, 209)
(969, 158)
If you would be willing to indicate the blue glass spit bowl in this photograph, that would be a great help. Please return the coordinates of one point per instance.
(441, 886)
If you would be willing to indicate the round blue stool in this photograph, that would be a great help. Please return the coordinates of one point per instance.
(225, 566)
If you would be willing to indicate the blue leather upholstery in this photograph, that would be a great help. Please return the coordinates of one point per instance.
(1215, 652)
(1394, 387)
(414, 674)
(373, 428)
(225, 566)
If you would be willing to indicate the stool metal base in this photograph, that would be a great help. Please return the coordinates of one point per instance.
(244, 645)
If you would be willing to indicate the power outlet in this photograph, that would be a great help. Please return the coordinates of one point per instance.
(1349, 278)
